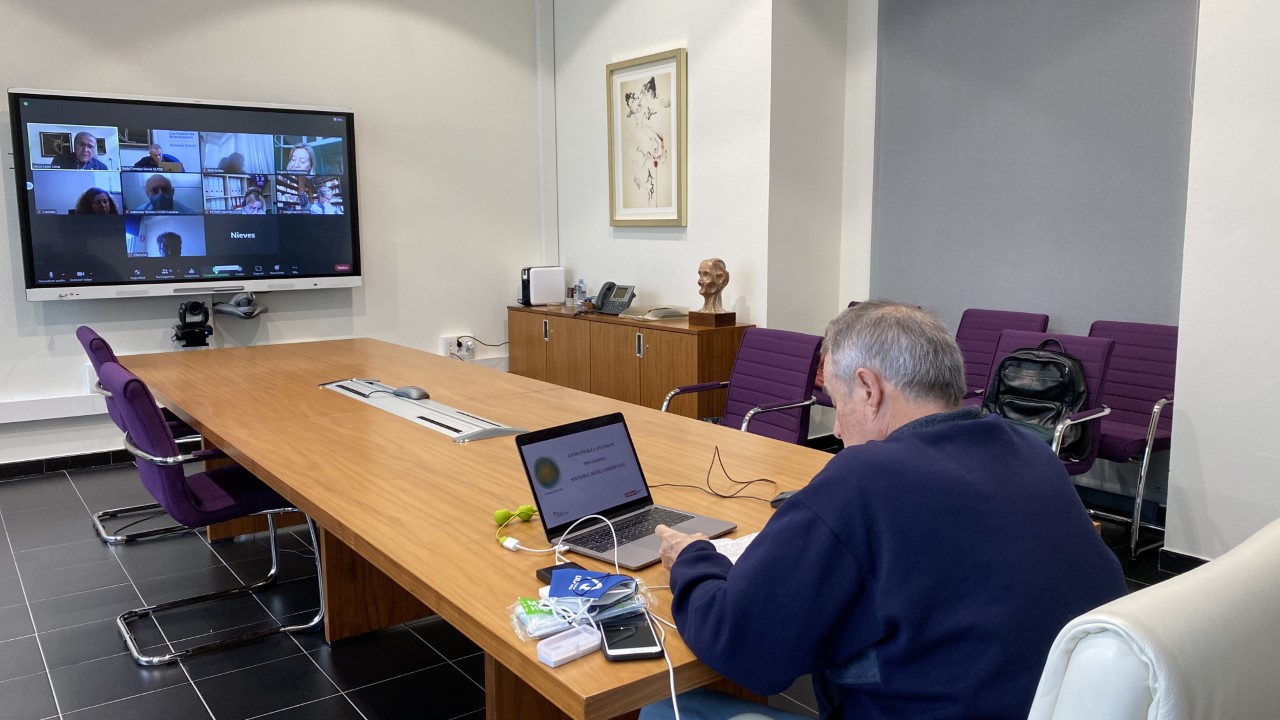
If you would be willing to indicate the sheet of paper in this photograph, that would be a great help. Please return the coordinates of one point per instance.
(733, 548)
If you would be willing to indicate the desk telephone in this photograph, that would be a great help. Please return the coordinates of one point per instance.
(613, 299)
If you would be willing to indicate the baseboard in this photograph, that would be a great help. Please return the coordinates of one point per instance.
(24, 468)
(1178, 563)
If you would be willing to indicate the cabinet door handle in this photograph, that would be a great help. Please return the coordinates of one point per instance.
(546, 332)
(639, 345)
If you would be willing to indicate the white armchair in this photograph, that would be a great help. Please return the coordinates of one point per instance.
(1200, 646)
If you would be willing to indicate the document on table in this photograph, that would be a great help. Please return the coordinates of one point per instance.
(733, 548)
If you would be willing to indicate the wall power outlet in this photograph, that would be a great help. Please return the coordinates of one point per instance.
(459, 345)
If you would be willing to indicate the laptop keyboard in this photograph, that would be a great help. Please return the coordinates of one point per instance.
(632, 527)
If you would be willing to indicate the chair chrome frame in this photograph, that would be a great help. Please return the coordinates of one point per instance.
(681, 391)
(1061, 428)
(1136, 522)
(746, 419)
(122, 621)
(120, 538)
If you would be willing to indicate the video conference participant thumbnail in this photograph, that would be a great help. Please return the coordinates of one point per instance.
(170, 193)
(143, 150)
(243, 237)
(236, 153)
(81, 193)
(77, 248)
(239, 194)
(310, 155)
(73, 147)
(164, 236)
(319, 195)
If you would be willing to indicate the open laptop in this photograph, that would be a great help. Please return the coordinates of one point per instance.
(589, 467)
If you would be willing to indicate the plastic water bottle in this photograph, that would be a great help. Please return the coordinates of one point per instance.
(579, 295)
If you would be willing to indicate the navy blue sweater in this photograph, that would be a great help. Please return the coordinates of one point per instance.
(922, 576)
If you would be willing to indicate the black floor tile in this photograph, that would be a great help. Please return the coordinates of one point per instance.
(63, 612)
(292, 565)
(46, 526)
(8, 568)
(94, 640)
(1134, 585)
(77, 462)
(107, 679)
(113, 487)
(444, 638)
(186, 584)
(166, 556)
(275, 647)
(265, 688)
(75, 579)
(290, 598)
(11, 592)
(1145, 569)
(179, 701)
(37, 492)
(437, 693)
(255, 546)
(214, 616)
(61, 556)
(333, 708)
(20, 657)
(15, 621)
(372, 657)
(27, 698)
(473, 666)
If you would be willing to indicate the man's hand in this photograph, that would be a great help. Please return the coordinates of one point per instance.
(673, 541)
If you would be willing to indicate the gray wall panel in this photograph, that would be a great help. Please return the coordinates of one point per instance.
(1032, 155)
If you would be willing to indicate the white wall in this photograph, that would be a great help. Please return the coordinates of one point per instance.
(445, 97)
(1224, 479)
(859, 149)
(806, 159)
(728, 147)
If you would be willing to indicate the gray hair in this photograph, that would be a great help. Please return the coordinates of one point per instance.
(907, 346)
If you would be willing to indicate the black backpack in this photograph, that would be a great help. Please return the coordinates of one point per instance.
(1037, 388)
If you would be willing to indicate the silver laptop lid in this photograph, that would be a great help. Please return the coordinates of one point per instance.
(588, 467)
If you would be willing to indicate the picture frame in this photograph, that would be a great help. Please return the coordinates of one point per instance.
(647, 115)
(53, 144)
(133, 137)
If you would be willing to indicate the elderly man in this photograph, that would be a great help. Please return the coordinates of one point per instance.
(81, 156)
(923, 573)
(156, 156)
(160, 198)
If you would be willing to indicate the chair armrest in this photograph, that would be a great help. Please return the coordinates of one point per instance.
(1076, 419)
(974, 393)
(822, 398)
(699, 387)
(1154, 424)
(774, 407)
(197, 456)
(97, 387)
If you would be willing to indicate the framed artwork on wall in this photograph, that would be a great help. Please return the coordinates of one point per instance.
(647, 122)
(53, 144)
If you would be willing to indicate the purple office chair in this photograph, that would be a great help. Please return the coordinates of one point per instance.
(1094, 355)
(100, 352)
(1139, 388)
(213, 496)
(771, 383)
(977, 336)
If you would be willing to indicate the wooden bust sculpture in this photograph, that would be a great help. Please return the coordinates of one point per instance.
(713, 278)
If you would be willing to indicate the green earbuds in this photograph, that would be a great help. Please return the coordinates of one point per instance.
(524, 512)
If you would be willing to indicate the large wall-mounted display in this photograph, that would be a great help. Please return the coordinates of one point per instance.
(123, 196)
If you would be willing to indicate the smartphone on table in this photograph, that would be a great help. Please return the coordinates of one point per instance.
(630, 638)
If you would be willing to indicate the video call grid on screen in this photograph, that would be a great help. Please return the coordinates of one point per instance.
(85, 161)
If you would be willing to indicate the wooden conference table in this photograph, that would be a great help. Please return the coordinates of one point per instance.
(407, 514)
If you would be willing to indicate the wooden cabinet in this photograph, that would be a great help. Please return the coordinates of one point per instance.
(629, 360)
(545, 347)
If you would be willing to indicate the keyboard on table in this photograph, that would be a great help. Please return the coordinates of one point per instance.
(632, 527)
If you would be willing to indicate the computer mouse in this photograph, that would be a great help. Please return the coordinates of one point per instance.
(782, 496)
(413, 392)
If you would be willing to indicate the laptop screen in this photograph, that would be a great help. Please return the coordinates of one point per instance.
(583, 468)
